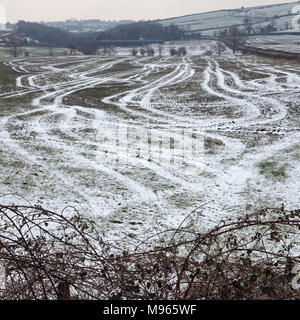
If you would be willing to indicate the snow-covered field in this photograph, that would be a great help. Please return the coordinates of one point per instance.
(287, 43)
(53, 110)
(281, 15)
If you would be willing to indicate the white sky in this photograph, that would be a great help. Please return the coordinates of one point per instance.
(53, 10)
(2, 15)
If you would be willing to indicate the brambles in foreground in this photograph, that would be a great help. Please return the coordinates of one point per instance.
(48, 255)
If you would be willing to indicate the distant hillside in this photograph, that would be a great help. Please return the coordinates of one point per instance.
(149, 32)
(92, 25)
(260, 19)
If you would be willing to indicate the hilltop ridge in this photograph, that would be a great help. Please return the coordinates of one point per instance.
(258, 19)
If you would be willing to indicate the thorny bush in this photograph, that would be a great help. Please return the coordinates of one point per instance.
(48, 255)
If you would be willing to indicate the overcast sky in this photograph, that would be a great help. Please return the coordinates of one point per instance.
(53, 10)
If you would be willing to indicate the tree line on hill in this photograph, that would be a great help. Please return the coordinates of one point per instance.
(145, 30)
(88, 42)
(54, 37)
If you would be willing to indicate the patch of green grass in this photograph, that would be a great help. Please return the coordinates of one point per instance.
(91, 97)
(7, 78)
(277, 61)
(271, 169)
(211, 145)
(181, 200)
(248, 207)
(116, 221)
(297, 156)
(242, 73)
(133, 223)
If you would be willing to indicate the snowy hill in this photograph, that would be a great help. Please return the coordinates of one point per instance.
(280, 16)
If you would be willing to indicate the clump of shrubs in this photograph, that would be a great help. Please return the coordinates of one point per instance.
(49, 255)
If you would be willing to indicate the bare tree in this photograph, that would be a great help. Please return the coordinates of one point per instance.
(142, 51)
(208, 53)
(179, 52)
(26, 53)
(173, 52)
(160, 51)
(50, 52)
(235, 38)
(248, 24)
(105, 51)
(14, 42)
(182, 51)
(108, 50)
(134, 52)
(150, 52)
(112, 50)
(219, 47)
(72, 48)
(90, 47)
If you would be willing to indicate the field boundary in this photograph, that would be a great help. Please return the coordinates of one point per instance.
(48, 255)
(269, 53)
